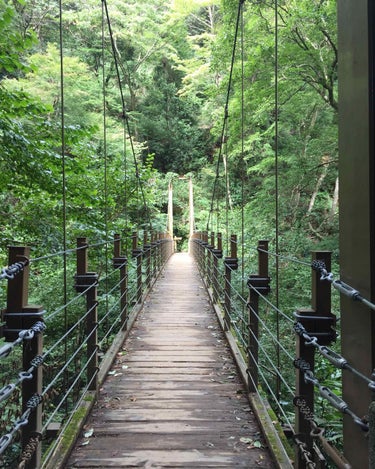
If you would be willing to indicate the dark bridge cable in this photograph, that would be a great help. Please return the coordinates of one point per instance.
(276, 97)
(124, 113)
(226, 114)
(64, 180)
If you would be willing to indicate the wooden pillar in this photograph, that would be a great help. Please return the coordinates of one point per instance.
(19, 315)
(88, 282)
(356, 27)
(231, 263)
(258, 284)
(137, 254)
(318, 322)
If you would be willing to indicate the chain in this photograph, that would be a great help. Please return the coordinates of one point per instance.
(306, 455)
(26, 334)
(300, 402)
(11, 271)
(34, 401)
(29, 450)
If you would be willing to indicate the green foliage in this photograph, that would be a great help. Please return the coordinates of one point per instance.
(173, 59)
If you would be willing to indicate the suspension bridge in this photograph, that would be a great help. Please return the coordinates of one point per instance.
(168, 359)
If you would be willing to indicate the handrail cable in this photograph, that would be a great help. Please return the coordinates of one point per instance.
(271, 334)
(70, 416)
(68, 332)
(61, 308)
(337, 402)
(68, 362)
(77, 378)
(339, 285)
(271, 392)
(271, 362)
(337, 360)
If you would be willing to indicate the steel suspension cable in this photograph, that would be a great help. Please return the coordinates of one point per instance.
(124, 113)
(242, 161)
(64, 191)
(105, 155)
(276, 78)
(226, 115)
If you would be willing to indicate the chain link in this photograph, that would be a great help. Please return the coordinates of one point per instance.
(29, 450)
(12, 270)
(306, 455)
(34, 401)
(26, 334)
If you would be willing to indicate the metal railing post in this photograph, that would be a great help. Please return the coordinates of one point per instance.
(88, 282)
(210, 262)
(204, 253)
(318, 322)
(120, 262)
(147, 254)
(19, 315)
(258, 284)
(137, 253)
(217, 254)
(230, 263)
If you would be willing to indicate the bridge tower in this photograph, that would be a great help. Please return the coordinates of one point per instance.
(356, 26)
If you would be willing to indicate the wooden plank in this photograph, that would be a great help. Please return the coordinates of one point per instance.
(173, 397)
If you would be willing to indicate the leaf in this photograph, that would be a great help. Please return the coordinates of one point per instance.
(246, 440)
(88, 433)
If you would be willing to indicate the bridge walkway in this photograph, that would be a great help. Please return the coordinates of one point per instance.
(173, 397)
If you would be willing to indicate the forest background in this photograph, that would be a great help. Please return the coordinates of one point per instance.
(174, 60)
(103, 104)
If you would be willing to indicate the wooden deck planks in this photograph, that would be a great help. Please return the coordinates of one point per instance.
(173, 398)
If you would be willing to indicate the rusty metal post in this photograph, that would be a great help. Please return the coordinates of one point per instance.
(137, 254)
(120, 262)
(319, 322)
(230, 263)
(19, 315)
(88, 282)
(217, 254)
(258, 284)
